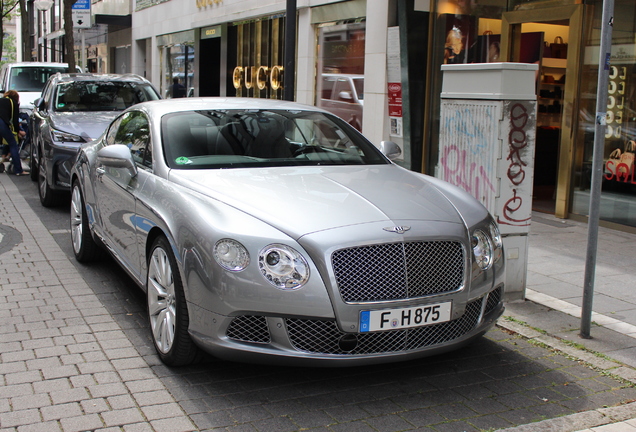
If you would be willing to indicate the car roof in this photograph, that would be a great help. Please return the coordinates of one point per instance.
(92, 77)
(167, 106)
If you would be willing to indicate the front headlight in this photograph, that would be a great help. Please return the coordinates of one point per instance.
(231, 255)
(482, 249)
(60, 136)
(495, 235)
(283, 266)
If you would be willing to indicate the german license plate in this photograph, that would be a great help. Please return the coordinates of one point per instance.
(391, 319)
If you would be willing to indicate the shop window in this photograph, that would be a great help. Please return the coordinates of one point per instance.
(618, 196)
(258, 71)
(178, 70)
(340, 78)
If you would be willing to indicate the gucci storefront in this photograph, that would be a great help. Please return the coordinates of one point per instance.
(563, 38)
(258, 58)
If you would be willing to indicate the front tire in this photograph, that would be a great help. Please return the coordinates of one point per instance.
(167, 308)
(84, 247)
(47, 195)
(34, 163)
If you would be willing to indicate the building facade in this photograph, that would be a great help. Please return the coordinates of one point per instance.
(378, 65)
(563, 39)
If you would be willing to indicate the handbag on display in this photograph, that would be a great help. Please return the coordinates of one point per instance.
(558, 48)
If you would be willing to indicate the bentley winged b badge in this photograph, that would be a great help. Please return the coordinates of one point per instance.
(397, 229)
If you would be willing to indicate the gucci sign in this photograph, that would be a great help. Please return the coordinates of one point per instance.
(204, 3)
(253, 77)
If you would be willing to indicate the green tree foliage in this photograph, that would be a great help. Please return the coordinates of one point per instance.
(9, 8)
(9, 50)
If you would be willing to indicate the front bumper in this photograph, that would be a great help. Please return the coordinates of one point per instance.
(319, 342)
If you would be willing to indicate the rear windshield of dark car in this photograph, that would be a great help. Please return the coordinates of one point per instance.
(101, 95)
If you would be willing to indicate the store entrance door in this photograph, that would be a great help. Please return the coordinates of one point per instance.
(209, 64)
(549, 37)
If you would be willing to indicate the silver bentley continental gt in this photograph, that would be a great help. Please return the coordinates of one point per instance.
(273, 232)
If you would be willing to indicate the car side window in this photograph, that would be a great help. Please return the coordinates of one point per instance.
(46, 92)
(134, 131)
(112, 131)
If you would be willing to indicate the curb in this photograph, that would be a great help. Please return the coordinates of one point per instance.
(583, 420)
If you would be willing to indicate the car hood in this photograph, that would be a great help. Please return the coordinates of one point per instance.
(91, 123)
(303, 200)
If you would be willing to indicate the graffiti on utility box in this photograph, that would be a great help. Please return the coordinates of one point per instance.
(487, 149)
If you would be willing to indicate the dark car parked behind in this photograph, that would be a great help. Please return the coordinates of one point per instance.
(75, 109)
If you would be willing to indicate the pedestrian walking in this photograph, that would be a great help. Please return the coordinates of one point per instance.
(10, 129)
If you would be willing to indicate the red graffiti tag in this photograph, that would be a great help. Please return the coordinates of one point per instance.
(517, 141)
(470, 177)
(510, 207)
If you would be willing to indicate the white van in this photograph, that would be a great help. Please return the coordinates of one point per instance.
(28, 79)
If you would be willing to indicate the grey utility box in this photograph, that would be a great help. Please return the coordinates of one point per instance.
(486, 147)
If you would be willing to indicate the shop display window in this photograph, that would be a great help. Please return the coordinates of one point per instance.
(340, 77)
(259, 71)
(178, 71)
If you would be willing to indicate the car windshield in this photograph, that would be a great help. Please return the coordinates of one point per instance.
(32, 78)
(101, 95)
(262, 138)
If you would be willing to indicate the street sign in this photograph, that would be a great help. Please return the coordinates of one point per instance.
(82, 14)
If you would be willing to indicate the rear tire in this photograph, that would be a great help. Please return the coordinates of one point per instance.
(84, 247)
(167, 308)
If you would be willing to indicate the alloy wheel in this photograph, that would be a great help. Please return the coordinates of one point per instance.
(161, 300)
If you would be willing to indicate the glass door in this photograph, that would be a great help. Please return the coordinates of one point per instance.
(551, 38)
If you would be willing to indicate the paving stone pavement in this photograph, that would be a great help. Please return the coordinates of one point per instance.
(75, 356)
(66, 365)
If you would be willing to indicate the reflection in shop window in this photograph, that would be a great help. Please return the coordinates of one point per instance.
(340, 80)
(618, 196)
(178, 71)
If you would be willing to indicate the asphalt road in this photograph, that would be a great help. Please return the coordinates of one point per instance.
(501, 380)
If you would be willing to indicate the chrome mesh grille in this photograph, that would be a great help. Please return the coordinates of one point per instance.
(396, 271)
(494, 297)
(318, 336)
(249, 328)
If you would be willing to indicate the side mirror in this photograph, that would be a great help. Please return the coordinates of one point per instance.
(117, 156)
(345, 95)
(390, 149)
(39, 102)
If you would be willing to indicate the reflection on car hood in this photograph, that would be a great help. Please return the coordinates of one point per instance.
(302, 200)
(91, 123)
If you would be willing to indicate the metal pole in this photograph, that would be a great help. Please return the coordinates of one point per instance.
(289, 71)
(83, 52)
(597, 165)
